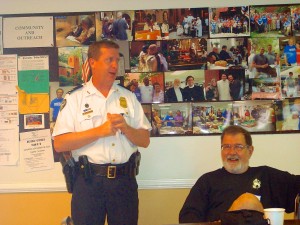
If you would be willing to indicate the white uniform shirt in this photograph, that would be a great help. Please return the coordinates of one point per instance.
(87, 108)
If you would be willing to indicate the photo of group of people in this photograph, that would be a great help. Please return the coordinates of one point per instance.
(224, 53)
(270, 21)
(229, 21)
(171, 119)
(164, 24)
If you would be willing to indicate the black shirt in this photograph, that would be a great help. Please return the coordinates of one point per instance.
(193, 94)
(214, 192)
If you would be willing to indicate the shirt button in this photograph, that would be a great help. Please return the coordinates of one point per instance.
(113, 160)
(113, 144)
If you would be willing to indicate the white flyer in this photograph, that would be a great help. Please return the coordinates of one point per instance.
(36, 148)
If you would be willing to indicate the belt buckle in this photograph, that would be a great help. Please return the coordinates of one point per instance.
(111, 172)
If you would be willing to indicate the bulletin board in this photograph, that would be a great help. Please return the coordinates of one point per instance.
(47, 52)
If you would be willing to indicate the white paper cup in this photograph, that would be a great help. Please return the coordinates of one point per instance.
(275, 215)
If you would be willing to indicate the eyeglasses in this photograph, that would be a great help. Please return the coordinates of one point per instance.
(236, 147)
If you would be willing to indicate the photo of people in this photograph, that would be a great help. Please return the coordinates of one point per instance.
(229, 22)
(148, 56)
(254, 116)
(287, 114)
(34, 121)
(290, 83)
(270, 21)
(263, 69)
(171, 119)
(224, 85)
(264, 58)
(117, 25)
(226, 53)
(266, 88)
(211, 117)
(147, 110)
(187, 54)
(70, 65)
(185, 85)
(75, 30)
(148, 87)
(165, 24)
(295, 13)
(289, 52)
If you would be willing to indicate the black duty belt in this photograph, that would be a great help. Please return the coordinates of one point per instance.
(112, 171)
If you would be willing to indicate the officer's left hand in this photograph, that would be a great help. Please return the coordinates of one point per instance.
(118, 122)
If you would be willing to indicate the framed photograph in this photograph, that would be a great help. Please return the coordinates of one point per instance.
(185, 85)
(289, 52)
(270, 21)
(187, 54)
(287, 114)
(211, 117)
(229, 22)
(171, 119)
(165, 24)
(148, 87)
(226, 53)
(75, 30)
(34, 121)
(116, 25)
(254, 116)
(266, 88)
(148, 56)
(295, 13)
(225, 85)
(290, 82)
(71, 60)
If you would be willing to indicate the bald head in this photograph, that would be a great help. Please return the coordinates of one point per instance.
(247, 201)
(152, 49)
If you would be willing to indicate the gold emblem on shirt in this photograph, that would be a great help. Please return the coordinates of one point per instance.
(256, 184)
(123, 102)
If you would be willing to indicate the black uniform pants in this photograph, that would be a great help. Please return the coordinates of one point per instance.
(116, 199)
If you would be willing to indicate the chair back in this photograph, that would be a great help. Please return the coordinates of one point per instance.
(297, 207)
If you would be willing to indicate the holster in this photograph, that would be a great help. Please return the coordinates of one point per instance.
(134, 161)
(85, 167)
(69, 171)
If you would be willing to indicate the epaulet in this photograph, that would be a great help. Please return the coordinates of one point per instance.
(74, 89)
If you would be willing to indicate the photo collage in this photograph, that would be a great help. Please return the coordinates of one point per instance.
(194, 70)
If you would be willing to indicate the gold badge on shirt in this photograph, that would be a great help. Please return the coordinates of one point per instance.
(123, 102)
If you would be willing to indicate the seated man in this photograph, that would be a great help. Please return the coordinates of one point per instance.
(214, 55)
(261, 63)
(224, 55)
(215, 192)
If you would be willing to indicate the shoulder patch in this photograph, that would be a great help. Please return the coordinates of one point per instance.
(75, 88)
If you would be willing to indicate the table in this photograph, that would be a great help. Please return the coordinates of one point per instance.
(286, 222)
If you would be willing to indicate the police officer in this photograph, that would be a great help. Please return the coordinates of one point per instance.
(105, 123)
